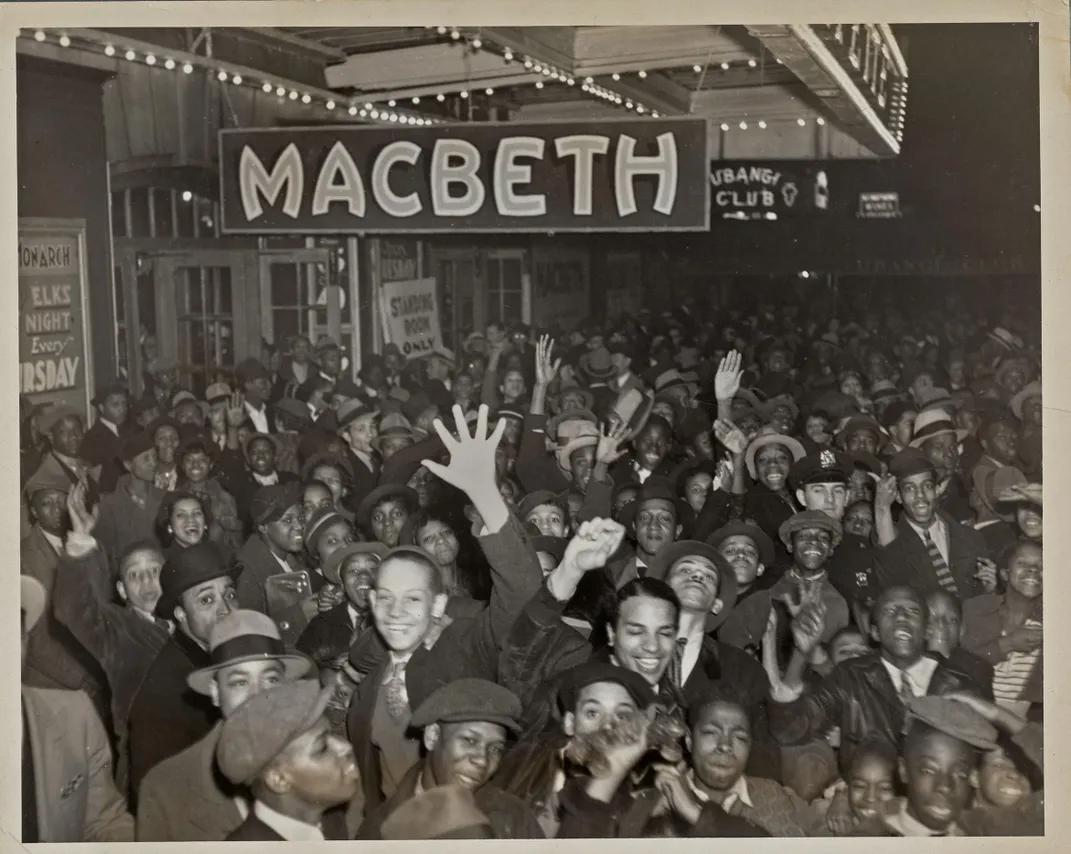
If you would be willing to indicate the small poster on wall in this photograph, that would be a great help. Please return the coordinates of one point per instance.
(53, 335)
(410, 311)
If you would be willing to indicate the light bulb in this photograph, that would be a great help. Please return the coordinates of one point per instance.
(762, 125)
(39, 35)
(363, 112)
(528, 63)
(368, 106)
(589, 80)
(150, 60)
(187, 68)
(187, 196)
(654, 114)
(222, 77)
(724, 127)
(281, 92)
(130, 55)
(801, 122)
(697, 69)
(441, 30)
(743, 125)
(390, 103)
(508, 56)
(539, 84)
(403, 120)
(306, 98)
(237, 80)
(463, 94)
(820, 120)
(416, 100)
(538, 69)
(440, 97)
(375, 114)
(393, 117)
(65, 41)
(455, 35)
(570, 81)
(293, 95)
(169, 64)
(476, 43)
(642, 74)
(109, 50)
(725, 66)
(330, 105)
(751, 63)
(639, 109)
(266, 87)
(353, 110)
(616, 76)
(489, 91)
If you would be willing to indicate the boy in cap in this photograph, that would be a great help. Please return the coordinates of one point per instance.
(67, 789)
(279, 745)
(275, 579)
(358, 426)
(183, 798)
(543, 509)
(65, 428)
(931, 550)
(465, 726)
(101, 443)
(657, 522)
(123, 639)
(128, 515)
(197, 591)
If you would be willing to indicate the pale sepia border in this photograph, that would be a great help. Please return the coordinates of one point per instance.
(1055, 76)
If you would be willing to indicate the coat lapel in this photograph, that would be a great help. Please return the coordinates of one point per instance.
(54, 777)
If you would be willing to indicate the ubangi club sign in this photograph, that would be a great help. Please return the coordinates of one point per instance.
(630, 175)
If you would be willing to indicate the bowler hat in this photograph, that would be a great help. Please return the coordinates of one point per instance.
(810, 519)
(332, 569)
(189, 567)
(262, 727)
(245, 636)
(465, 700)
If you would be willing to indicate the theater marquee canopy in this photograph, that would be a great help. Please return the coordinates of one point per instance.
(625, 175)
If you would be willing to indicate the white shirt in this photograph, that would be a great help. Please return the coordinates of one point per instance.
(939, 532)
(259, 417)
(641, 472)
(690, 657)
(289, 828)
(110, 426)
(738, 792)
(353, 616)
(920, 673)
(53, 541)
(266, 480)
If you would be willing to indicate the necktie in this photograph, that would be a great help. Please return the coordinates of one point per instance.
(676, 664)
(397, 697)
(944, 574)
(907, 690)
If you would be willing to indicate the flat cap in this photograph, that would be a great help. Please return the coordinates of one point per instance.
(48, 478)
(189, 567)
(469, 700)
(136, 445)
(262, 727)
(824, 466)
(332, 569)
(296, 410)
(269, 503)
(908, 462)
(443, 812)
(955, 719)
(810, 519)
(577, 678)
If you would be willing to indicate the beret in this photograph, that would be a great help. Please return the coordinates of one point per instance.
(577, 678)
(469, 700)
(135, 445)
(269, 503)
(955, 719)
(262, 727)
(810, 519)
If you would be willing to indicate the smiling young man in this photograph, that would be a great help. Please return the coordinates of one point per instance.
(931, 550)
(657, 522)
(465, 727)
(197, 591)
(183, 798)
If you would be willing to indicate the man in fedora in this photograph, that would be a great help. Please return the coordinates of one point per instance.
(932, 551)
(278, 745)
(657, 520)
(67, 790)
(254, 381)
(358, 425)
(465, 726)
(184, 798)
(197, 591)
(938, 438)
(65, 428)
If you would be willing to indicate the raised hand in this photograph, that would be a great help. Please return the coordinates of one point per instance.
(1024, 639)
(608, 450)
(727, 379)
(83, 520)
(472, 456)
(885, 494)
(546, 369)
(731, 436)
(593, 544)
(676, 793)
(839, 817)
(808, 621)
(987, 574)
(236, 410)
(330, 596)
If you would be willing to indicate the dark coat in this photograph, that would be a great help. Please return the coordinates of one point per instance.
(851, 569)
(364, 479)
(258, 565)
(905, 560)
(100, 447)
(123, 642)
(123, 523)
(860, 698)
(469, 647)
(166, 716)
(238, 480)
(254, 830)
(510, 817)
(535, 468)
(328, 635)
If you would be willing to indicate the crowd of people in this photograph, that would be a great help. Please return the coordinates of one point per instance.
(773, 571)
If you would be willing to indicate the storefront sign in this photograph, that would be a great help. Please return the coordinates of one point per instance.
(766, 191)
(946, 265)
(879, 206)
(628, 175)
(53, 343)
(411, 316)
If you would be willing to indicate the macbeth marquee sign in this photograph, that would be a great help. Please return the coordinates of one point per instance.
(631, 175)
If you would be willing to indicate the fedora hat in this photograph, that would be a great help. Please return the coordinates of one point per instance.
(587, 434)
(588, 399)
(740, 528)
(332, 569)
(1030, 390)
(663, 562)
(189, 567)
(597, 365)
(934, 422)
(771, 437)
(558, 432)
(245, 636)
(855, 423)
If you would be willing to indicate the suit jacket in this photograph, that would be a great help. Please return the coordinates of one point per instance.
(328, 635)
(255, 830)
(238, 480)
(54, 657)
(860, 698)
(76, 798)
(100, 447)
(905, 560)
(364, 479)
(166, 717)
(123, 642)
(468, 647)
(510, 817)
(258, 565)
(123, 523)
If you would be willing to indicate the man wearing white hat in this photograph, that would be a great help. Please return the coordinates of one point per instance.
(67, 790)
(937, 436)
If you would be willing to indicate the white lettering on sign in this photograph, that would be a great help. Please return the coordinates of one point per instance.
(255, 181)
(49, 374)
(411, 316)
(744, 187)
(456, 188)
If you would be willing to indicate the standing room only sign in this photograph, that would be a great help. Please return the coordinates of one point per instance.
(627, 175)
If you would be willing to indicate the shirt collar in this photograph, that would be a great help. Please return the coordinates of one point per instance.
(289, 828)
(269, 480)
(110, 426)
(737, 792)
(935, 526)
(53, 541)
(895, 816)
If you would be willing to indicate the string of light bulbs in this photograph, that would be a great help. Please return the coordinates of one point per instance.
(178, 62)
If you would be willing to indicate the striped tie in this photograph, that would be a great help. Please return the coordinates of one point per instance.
(676, 664)
(944, 574)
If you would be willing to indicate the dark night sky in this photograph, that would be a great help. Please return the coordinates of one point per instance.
(971, 136)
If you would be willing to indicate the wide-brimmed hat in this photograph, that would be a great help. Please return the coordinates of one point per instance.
(217, 393)
(296, 410)
(663, 562)
(673, 379)
(810, 519)
(597, 365)
(189, 567)
(634, 408)
(32, 600)
(740, 528)
(1006, 339)
(332, 568)
(771, 437)
(394, 425)
(574, 418)
(1012, 363)
(443, 353)
(382, 493)
(351, 410)
(934, 422)
(936, 398)
(992, 485)
(244, 636)
(1030, 390)
(589, 399)
(587, 434)
(856, 423)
